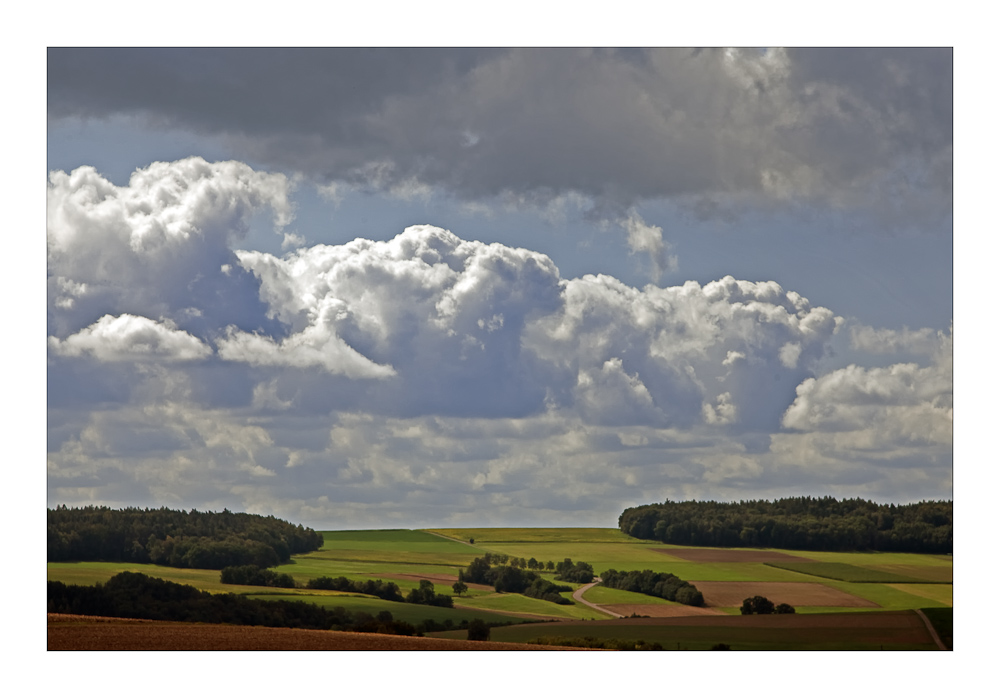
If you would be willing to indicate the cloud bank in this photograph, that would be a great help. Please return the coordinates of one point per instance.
(849, 129)
(434, 373)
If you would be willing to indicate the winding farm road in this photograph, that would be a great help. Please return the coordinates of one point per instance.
(578, 596)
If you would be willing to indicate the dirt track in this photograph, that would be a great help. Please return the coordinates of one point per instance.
(94, 633)
(578, 596)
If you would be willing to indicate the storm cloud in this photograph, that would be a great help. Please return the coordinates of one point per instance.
(716, 129)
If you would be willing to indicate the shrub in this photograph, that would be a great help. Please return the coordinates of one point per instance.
(756, 605)
(478, 630)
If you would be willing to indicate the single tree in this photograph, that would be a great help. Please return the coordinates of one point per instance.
(459, 588)
(478, 630)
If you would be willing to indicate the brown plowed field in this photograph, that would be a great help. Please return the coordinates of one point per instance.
(794, 593)
(94, 633)
(723, 555)
(660, 610)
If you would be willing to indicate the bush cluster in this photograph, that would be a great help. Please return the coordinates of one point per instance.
(252, 575)
(388, 591)
(515, 579)
(661, 584)
(761, 605)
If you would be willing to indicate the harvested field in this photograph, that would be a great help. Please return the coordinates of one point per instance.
(794, 593)
(726, 555)
(660, 610)
(114, 634)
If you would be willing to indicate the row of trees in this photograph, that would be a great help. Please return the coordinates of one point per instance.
(136, 595)
(800, 523)
(205, 540)
(388, 591)
(661, 584)
(253, 575)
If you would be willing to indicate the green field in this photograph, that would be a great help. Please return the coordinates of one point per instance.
(896, 582)
(702, 635)
(846, 573)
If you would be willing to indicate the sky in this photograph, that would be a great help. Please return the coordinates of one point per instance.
(382, 288)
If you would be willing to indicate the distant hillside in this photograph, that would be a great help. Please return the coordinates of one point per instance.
(798, 523)
(205, 540)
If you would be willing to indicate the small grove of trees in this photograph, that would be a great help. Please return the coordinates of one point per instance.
(761, 605)
(581, 572)
(513, 579)
(424, 594)
(388, 591)
(661, 584)
(256, 576)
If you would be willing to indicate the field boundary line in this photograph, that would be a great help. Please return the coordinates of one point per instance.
(930, 629)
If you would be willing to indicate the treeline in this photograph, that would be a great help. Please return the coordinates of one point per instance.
(798, 523)
(662, 584)
(388, 591)
(205, 540)
(136, 595)
(591, 642)
(517, 580)
(252, 575)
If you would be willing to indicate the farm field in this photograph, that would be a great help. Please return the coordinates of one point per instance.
(864, 601)
(894, 630)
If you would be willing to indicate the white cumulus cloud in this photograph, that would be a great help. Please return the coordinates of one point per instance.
(131, 338)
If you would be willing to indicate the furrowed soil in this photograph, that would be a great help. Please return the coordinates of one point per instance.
(795, 593)
(67, 632)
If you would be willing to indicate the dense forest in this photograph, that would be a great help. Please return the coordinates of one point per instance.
(205, 540)
(797, 523)
(136, 595)
(662, 584)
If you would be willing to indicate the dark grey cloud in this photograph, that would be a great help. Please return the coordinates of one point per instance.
(867, 129)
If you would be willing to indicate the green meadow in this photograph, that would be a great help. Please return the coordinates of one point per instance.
(897, 582)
